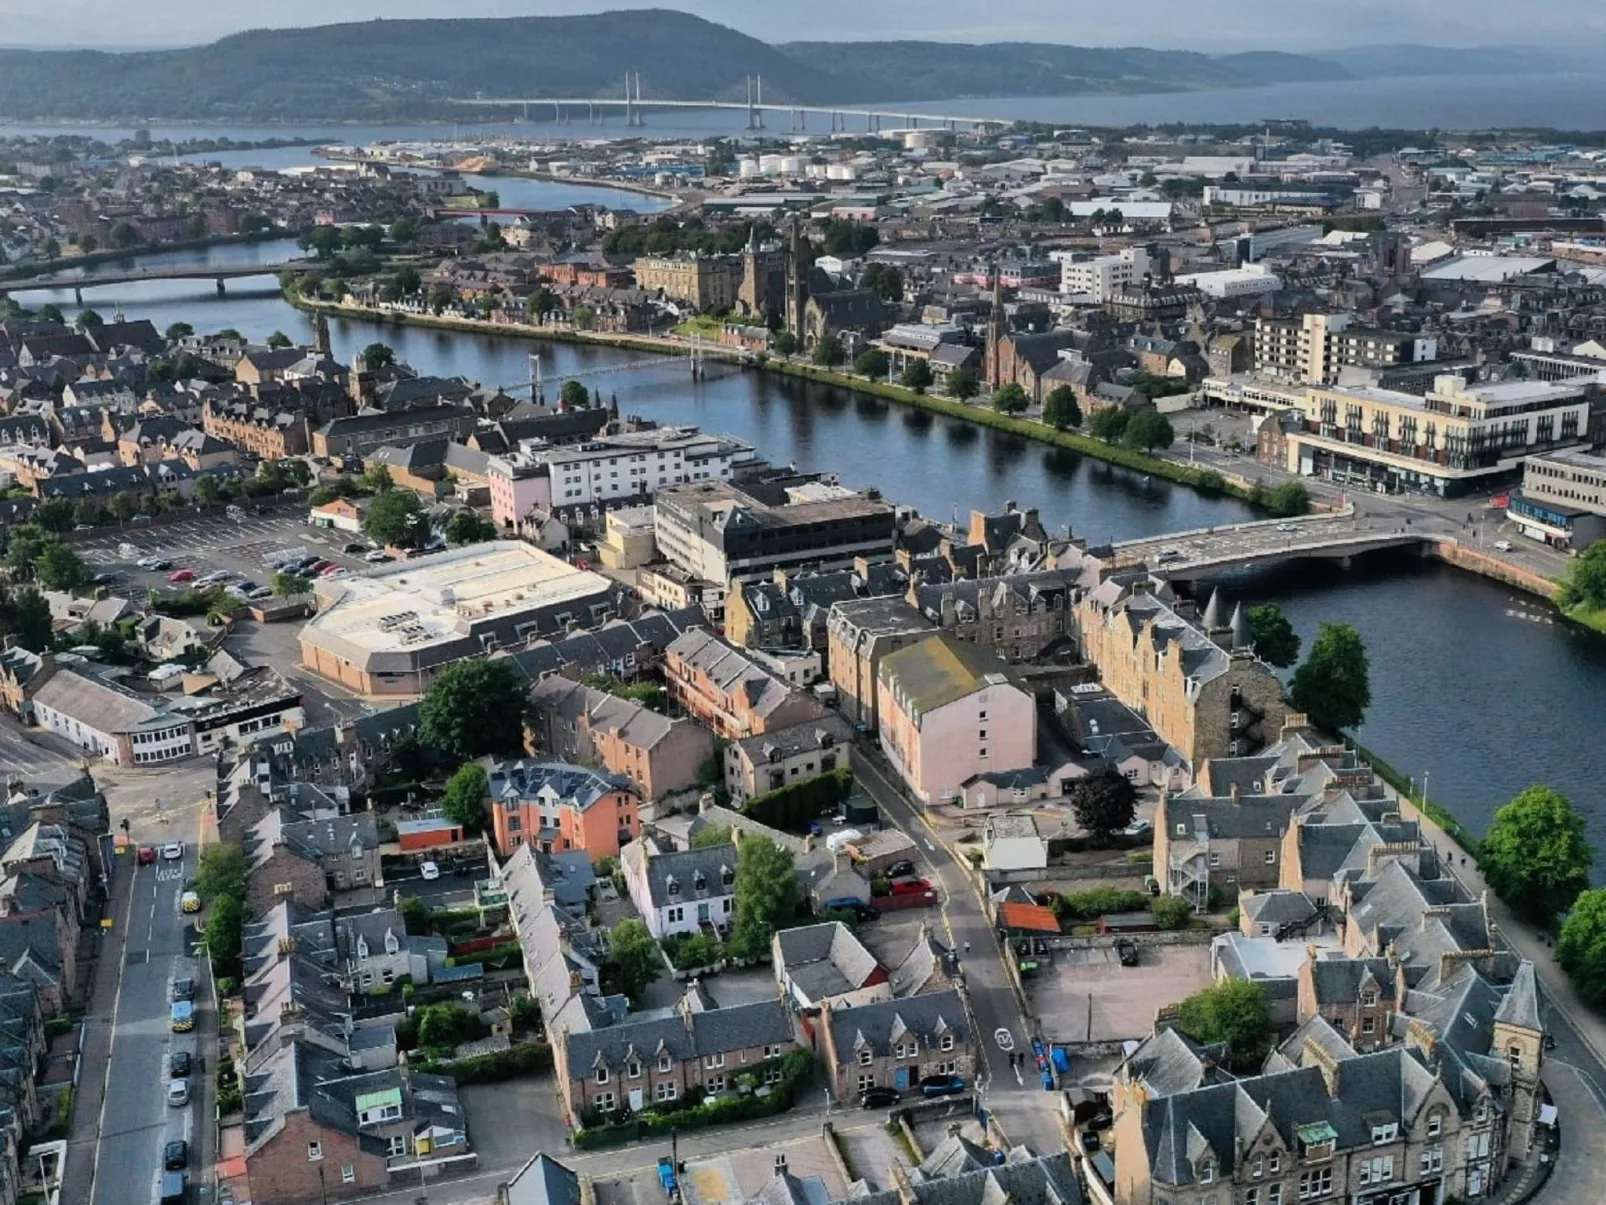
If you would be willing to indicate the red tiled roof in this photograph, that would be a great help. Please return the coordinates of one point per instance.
(1033, 917)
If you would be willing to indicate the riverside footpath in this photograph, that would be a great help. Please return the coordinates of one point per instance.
(1575, 1071)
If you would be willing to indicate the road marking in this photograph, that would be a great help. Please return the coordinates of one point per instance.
(111, 1046)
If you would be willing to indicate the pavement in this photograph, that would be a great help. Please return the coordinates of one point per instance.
(212, 542)
(37, 756)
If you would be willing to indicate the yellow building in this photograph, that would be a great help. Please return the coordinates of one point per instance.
(709, 282)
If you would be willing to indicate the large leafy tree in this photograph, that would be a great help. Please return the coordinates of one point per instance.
(466, 527)
(1010, 399)
(1536, 855)
(59, 567)
(1060, 409)
(872, 362)
(1584, 585)
(25, 614)
(918, 376)
(962, 384)
(225, 934)
(766, 892)
(474, 708)
(1233, 1011)
(634, 958)
(221, 872)
(394, 517)
(1276, 642)
(1333, 686)
(829, 352)
(466, 793)
(1148, 430)
(1108, 423)
(1103, 801)
(1581, 948)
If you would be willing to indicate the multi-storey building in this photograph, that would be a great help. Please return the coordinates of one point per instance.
(681, 892)
(718, 530)
(772, 759)
(897, 1043)
(859, 633)
(1458, 438)
(555, 806)
(361, 434)
(729, 692)
(708, 282)
(1100, 276)
(1315, 347)
(1562, 500)
(1204, 691)
(579, 723)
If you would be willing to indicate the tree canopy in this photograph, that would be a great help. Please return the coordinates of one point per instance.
(1333, 685)
(634, 958)
(1276, 643)
(1536, 855)
(1233, 1011)
(872, 362)
(378, 355)
(1585, 583)
(466, 527)
(466, 793)
(766, 892)
(1060, 408)
(962, 384)
(287, 584)
(1010, 399)
(1581, 947)
(828, 351)
(1108, 423)
(473, 708)
(1148, 430)
(917, 376)
(1104, 801)
(574, 396)
(395, 517)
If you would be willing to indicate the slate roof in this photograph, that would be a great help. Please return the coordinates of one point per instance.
(685, 1035)
(824, 960)
(636, 724)
(830, 729)
(730, 671)
(920, 965)
(927, 1018)
(543, 1181)
(1050, 1180)
(568, 783)
(673, 878)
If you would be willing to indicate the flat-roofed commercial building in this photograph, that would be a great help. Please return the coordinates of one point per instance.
(388, 631)
(1456, 439)
(718, 531)
(1562, 500)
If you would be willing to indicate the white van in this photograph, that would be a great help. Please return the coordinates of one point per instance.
(837, 840)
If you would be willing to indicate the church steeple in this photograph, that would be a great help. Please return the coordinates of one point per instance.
(995, 331)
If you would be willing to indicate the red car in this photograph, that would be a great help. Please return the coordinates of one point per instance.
(147, 855)
(182, 575)
(911, 887)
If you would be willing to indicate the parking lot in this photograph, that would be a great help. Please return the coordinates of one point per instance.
(1086, 995)
(216, 543)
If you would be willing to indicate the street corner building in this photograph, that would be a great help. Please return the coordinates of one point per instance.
(389, 631)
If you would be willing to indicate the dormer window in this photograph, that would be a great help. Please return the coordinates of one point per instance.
(866, 1056)
(1385, 1132)
(602, 1075)
(1207, 1172)
(1514, 1055)
(1369, 998)
(727, 876)
(947, 1042)
(665, 1063)
(391, 944)
(700, 882)
(633, 1069)
(673, 888)
(1435, 1124)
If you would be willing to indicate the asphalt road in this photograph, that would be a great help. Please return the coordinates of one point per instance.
(35, 760)
(136, 1121)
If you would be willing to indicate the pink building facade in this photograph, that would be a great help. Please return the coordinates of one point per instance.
(949, 712)
(515, 491)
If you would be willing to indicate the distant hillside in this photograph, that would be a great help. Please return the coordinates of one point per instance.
(398, 70)
(1367, 62)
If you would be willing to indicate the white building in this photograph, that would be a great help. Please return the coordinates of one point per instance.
(1103, 276)
(1251, 281)
(1013, 843)
(682, 892)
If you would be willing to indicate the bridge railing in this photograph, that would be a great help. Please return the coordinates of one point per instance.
(1348, 511)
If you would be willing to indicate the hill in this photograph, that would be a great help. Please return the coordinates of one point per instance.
(406, 70)
(1369, 62)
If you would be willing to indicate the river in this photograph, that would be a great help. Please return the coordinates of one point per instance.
(1485, 690)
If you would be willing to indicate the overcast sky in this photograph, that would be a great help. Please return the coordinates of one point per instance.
(1213, 25)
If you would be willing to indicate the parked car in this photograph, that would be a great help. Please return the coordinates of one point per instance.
(1127, 951)
(189, 902)
(331, 570)
(178, 1093)
(430, 871)
(878, 1098)
(355, 549)
(942, 1085)
(911, 887)
(181, 575)
(176, 1155)
(1091, 1142)
(181, 1017)
(175, 1189)
(1503, 545)
(378, 557)
(1138, 828)
(215, 577)
(860, 910)
(261, 592)
(178, 1064)
(320, 566)
(146, 855)
(183, 989)
(173, 851)
(1169, 555)
(901, 870)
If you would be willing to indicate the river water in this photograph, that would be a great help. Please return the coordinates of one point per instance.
(1483, 689)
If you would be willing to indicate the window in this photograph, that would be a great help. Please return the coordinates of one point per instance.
(714, 1060)
(774, 1075)
(348, 1173)
(866, 1081)
(1432, 1159)
(1271, 857)
(1385, 1132)
(1435, 1124)
(1215, 859)
(314, 1152)
(665, 1063)
(1257, 1167)
(604, 1102)
(633, 1069)
(667, 1090)
(1182, 829)
(1252, 1196)
(771, 1051)
(1514, 1055)
(947, 1041)
(866, 1057)
(1207, 1172)
(1369, 998)
(398, 1146)
(1368, 1024)
(1315, 1183)
(1377, 1170)
(602, 1075)
(1274, 1164)
(1274, 1195)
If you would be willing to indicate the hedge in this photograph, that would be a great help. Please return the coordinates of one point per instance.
(793, 806)
(653, 1123)
(1100, 901)
(526, 1059)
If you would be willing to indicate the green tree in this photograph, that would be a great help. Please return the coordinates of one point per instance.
(1010, 399)
(1233, 1011)
(1148, 430)
(225, 934)
(786, 344)
(123, 505)
(541, 303)
(1108, 423)
(466, 527)
(123, 234)
(444, 1026)
(208, 490)
(885, 281)
(404, 230)
(829, 352)
(51, 249)
(766, 895)
(376, 480)
(1536, 855)
(1333, 686)
(962, 384)
(1171, 911)
(287, 584)
(574, 396)
(279, 339)
(221, 871)
(58, 568)
(1584, 585)
(1104, 801)
(53, 514)
(407, 280)
(1276, 642)
(25, 614)
(873, 363)
(322, 241)
(1060, 409)
(51, 313)
(379, 356)
(1289, 498)
(474, 708)
(634, 958)
(714, 834)
(395, 518)
(1581, 947)
(918, 376)
(467, 791)
(88, 320)
(179, 330)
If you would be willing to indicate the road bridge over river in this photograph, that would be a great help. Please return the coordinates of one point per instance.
(218, 273)
(1190, 555)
